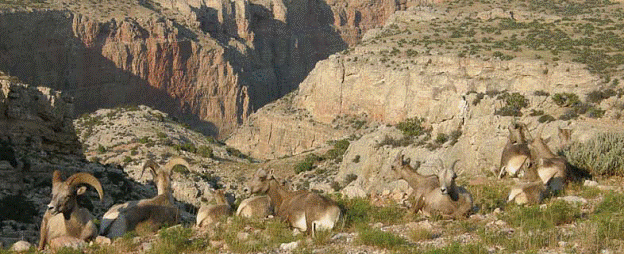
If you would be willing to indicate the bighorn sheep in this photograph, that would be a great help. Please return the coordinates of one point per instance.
(210, 214)
(302, 209)
(548, 164)
(532, 191)
(436, 194)
(152, 212)
(516, 153)
(255, 207)
(64, 219)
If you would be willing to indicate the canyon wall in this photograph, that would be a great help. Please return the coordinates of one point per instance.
(209, 63)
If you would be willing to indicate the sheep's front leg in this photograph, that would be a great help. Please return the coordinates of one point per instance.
(43, 231)
(89, 231)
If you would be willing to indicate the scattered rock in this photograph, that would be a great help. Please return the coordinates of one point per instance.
(67, 242)
(21, 246)
(340, 236)
(498, 210)
(590, 183)
(500, 223)
(243, 236)
(574, 199)
(606, 251)
(352, 191)
(102, 240)
(217, 244)
(289, 246)
(146, 246)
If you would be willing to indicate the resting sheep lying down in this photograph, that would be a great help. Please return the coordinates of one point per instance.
(66, 223)
(151, 212)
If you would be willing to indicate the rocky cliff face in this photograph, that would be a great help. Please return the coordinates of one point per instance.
(401, 72)
(208, 62)
(35, 119)
(103, 64)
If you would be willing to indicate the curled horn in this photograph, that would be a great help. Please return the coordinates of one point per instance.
(85, 178)
(152, 165)
(176, 161)
(56, 177)
(441, 164)
(453, 166)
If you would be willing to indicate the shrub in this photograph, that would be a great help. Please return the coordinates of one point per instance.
(236, 153)
(412, 127)
(545, 119)
(127, 159)
(602, 155)
(594, 112)
(536, 112)
(514, 103)
(161, 135)
(101, 149)
(441, 138)
(566, 99)
(145, 140)
(336, 153)
(389, 141)
(508, 111)
(350, 178)
(454, 136)
(307, 164)
(568, 115)
(541, 93)
(188, 147)
(599, 95)
(205, 151)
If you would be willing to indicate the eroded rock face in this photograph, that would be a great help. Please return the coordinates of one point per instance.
(279, 130)
(36, 119)
(432, 86)
(103, 64)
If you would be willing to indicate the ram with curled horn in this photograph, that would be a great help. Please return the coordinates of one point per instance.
(145, 213)
(65, 223)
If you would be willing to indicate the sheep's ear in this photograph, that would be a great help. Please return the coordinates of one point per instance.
(81, 190)
(270, 175)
